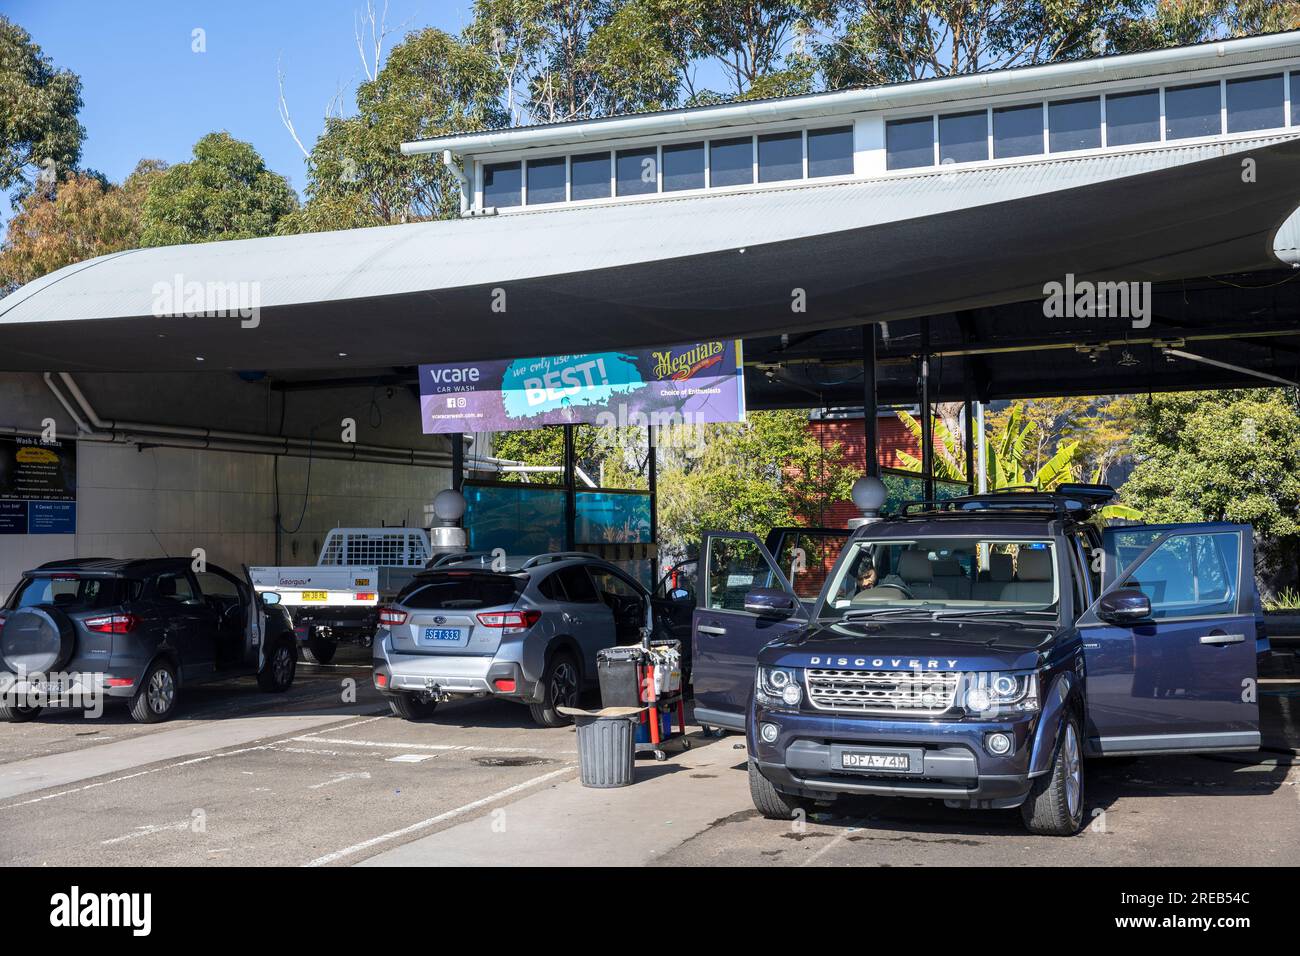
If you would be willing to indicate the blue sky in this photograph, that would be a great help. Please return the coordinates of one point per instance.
(147, 94)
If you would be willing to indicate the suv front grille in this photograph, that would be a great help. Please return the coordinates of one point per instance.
(896, 693)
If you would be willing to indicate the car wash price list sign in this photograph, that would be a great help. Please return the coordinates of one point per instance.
(38, 486)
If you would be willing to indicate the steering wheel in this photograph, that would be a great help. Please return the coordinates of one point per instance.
(228, 614)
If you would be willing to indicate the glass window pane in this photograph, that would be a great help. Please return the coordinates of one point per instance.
(1018, 130)
(736, 566)
(1074, 124)
(1133, 118)
(590, 175)
(684, 166)
(1192, 111)
(1190, 575)
(830, 151)
(1256, 103)
(502, 184)
(546, 180)
(731, 161)
(963, 137)
(780, 156)
(909, 143)
(638, 171)
(1295, 98)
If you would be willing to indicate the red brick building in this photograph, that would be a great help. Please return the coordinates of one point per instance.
(847, 433)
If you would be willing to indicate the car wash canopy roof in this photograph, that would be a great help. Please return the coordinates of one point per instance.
(949, 204)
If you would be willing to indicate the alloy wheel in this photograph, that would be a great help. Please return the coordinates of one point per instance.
(1073, 772)
(161, 691)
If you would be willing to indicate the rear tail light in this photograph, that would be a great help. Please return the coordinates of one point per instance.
(364, 596)
(510, 621)
(392, 616)
(381, 680)
(505, 685)
(112, 623)
(119, 682)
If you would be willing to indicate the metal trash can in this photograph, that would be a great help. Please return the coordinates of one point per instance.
(605, 750)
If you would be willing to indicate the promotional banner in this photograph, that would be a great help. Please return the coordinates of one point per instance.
(38, 486)
(680, 384)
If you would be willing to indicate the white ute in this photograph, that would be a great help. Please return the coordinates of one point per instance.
(338, 598)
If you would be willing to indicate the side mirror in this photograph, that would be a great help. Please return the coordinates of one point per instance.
(770, 602)
(679, 594)
(1124, 607)
(270, 598)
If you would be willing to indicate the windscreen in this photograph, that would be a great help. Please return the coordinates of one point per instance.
(462, 591)
(69, 592)
(951, 577)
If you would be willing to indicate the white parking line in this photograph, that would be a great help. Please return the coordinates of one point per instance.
(147, 831)
(362, 775)
(434, 821)
(467, 748)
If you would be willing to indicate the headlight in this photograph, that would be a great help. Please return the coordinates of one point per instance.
(778, 687)
(1001, 694)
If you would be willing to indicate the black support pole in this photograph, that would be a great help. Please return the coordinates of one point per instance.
(457, 460)
(870, 410)
(652, 478)
(927, 424)
(970, 424)
(570, 492)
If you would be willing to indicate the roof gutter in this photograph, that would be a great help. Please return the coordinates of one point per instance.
(898, 95)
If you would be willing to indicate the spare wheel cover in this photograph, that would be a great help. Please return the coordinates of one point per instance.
(37, 640)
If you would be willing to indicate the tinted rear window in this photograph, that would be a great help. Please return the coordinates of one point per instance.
(69, 592)
(463, 591)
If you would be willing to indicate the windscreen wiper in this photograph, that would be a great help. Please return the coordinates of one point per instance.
(863, 613)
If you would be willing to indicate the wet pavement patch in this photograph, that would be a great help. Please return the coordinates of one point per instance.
(512, 761)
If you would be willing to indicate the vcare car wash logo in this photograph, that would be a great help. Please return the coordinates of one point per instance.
(76, 909)
(911, 664)
(679, 367)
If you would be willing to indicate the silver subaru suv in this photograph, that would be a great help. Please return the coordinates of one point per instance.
(525, 629)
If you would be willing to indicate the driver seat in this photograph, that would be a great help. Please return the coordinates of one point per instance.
(917, 572)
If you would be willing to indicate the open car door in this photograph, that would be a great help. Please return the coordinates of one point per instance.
(1183, 679)
(726, 635)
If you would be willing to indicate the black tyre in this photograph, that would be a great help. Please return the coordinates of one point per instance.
(156, 699)
(18, 713)
(412, 706)
(1054, 806)
(319, 650)
(771, 802)
(276, 674)
(561, 687)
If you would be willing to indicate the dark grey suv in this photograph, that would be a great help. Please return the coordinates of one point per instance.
(526, 631)
(99, 628)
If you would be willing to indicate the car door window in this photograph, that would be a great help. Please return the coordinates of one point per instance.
(1190, 575)
(736, 567)
(176, 587)
(577, 585)
(217, 585)
(807, 560)
(552, 588)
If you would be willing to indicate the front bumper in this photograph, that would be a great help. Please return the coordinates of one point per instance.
(954, 765)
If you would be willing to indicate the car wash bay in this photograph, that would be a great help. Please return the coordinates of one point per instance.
(177, 448)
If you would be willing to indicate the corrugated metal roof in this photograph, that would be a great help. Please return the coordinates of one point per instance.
(432, 256)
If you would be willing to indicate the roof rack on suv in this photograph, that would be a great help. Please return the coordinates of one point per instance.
(1064, 501)
(556, 556)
